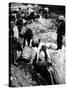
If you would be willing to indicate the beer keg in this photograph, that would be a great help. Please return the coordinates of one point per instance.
(27, 52)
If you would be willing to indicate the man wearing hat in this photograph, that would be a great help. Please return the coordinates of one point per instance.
(45, 12)
(60, 31)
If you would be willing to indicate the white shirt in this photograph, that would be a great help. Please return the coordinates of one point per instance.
(16, 33)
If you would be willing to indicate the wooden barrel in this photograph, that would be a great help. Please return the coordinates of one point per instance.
(27, 52)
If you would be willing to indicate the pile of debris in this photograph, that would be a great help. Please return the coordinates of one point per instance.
(24, 75)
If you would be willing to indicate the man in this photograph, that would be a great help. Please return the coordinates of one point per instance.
(27, 34)
(41, 63)
(60, 32)
(19, 24)
(45, 12)
(16, 33)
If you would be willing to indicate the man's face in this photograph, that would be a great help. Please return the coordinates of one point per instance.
(42, 56)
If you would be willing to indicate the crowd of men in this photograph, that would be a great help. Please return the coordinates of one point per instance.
(24, 45)
(22, 36)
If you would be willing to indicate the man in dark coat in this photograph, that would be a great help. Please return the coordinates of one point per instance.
(60, 32)
(27, 34)
(45, 13)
